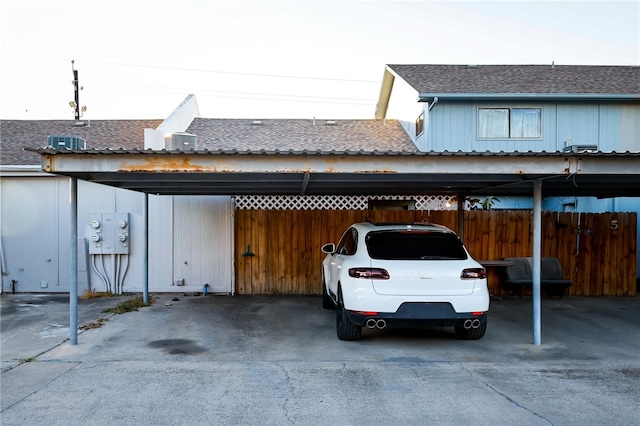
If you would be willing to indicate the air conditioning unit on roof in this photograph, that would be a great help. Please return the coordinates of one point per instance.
(68, 142)
(180, 140)
(581, 148)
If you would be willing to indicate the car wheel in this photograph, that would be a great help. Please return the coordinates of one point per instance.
(471, 333)
(327, 302)
(345, 328)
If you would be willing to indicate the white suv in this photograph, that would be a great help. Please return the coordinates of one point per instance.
(403, 274)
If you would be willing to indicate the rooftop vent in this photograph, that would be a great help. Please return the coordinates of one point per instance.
(256, 122)
(180, 140)
(330, 123)
(66, 142)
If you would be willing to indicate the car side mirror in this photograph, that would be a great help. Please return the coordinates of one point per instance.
(329, 248)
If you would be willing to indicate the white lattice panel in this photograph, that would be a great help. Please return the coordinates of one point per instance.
(334, 202)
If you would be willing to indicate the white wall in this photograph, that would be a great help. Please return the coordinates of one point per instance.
(404, 106)
(34, 232)
(192, 240)
(34, 225)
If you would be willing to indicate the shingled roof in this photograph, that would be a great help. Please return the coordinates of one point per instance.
(15, 135)
(521, 79)
(213, 134)
(300, 135)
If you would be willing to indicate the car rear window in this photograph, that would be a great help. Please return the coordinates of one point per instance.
(414, 245)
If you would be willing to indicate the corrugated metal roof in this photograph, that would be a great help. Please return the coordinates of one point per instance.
(318, 152)
(521, 79)
(317, 172)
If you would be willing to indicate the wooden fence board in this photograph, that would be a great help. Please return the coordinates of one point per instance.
(288, 259)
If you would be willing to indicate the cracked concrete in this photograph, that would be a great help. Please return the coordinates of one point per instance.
(276, 360)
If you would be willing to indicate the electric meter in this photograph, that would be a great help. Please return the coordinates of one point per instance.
(95, 224)
(122, 238)
(95, 238)
(122, 224)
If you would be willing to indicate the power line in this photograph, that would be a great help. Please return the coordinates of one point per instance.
(241, 95)
(235, 72)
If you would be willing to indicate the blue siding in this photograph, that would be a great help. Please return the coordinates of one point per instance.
(579, 124)
(453, 127)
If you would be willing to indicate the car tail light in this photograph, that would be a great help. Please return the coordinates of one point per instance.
(365, 313)
(473, 274)
(372, 273)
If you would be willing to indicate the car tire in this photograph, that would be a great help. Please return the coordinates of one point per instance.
(471, 333)
(327, 302)
(345, 329)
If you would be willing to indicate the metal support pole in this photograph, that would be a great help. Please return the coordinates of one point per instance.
(535, 267)
(73, 262)
(145, 256)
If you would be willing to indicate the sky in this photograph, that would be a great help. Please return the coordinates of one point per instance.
(138, 59)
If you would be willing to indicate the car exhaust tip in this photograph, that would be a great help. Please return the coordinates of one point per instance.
(376, 323)
(474, 323)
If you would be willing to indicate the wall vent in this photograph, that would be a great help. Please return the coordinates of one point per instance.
(183, 141)
(66, 142)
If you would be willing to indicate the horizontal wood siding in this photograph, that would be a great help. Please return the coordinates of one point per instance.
(600, 260)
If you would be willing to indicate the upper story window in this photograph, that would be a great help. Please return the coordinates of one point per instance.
(509, 123)
(420, 124)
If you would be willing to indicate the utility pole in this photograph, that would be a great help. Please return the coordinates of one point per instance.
(76, 90)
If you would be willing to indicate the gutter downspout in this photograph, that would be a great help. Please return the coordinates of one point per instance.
(435, 101)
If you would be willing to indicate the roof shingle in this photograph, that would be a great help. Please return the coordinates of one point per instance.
(299, 135)
(15, 135)
(525, 79)
(213, 134)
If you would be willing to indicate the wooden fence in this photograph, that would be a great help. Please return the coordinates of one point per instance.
(278, 251)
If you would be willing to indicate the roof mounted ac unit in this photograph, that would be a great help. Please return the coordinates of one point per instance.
(180, 140)
(67, 142)
(581, 148)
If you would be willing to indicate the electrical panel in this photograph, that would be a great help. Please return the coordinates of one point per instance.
(108, 233)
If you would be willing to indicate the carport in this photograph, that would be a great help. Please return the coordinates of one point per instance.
(232, 172)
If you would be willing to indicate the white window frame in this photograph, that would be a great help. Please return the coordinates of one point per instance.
(509, 129)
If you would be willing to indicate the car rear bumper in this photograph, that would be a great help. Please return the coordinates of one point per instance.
(416, 314)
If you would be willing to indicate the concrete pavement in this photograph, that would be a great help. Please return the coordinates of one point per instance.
(276, 360)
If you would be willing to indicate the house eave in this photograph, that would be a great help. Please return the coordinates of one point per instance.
(541, 97)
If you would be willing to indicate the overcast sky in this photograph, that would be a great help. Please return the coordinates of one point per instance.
(267, 59)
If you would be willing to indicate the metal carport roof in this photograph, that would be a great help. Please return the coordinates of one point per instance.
(232, 172)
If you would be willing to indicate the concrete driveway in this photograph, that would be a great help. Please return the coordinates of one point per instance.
(276, 360)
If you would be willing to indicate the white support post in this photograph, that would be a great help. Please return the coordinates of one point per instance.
(73, 264)
(535, 267)
(145, 236)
